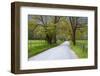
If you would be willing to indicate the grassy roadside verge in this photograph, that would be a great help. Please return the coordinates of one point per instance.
(37, 46)
(81, 48)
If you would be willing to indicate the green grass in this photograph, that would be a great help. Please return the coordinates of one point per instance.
(81, 48)
(38, 46)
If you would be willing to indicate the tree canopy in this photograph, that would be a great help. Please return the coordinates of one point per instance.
(53, 28)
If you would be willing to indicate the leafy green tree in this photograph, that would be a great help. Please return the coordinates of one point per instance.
(76, 23)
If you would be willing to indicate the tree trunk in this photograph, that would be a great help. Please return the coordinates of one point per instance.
(49, 39)
(55, 39)
(56, 20)
(74, 37)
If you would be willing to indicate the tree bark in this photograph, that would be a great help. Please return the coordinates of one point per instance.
(49, 39)
(54, 36)
(73, 22)
(74, 37)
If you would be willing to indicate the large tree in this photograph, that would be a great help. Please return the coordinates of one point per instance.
(76, 23)
(49, 25)
(56, 19)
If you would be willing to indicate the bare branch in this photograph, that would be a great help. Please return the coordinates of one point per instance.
(71, 22)
(42, 20)
(56, 19)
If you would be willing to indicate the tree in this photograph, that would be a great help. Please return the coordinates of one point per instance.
(73, 22)
(31, 28)
(55, 21)
(63, 29)
(44, 21)
(76, 23)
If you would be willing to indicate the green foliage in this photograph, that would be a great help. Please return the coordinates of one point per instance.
(39, 26)
(64, 28)
(39, 33)
(31, 27)
(81, 48)
(38, 46)
(82, 33)
(46, 30)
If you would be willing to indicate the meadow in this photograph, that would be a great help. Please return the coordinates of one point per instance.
(37, 46)
(81, 48)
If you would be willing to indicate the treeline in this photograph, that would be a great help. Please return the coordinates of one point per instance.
(53, 28)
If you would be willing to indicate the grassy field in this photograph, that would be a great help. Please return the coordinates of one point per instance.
(38, 46)
(81, 48)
